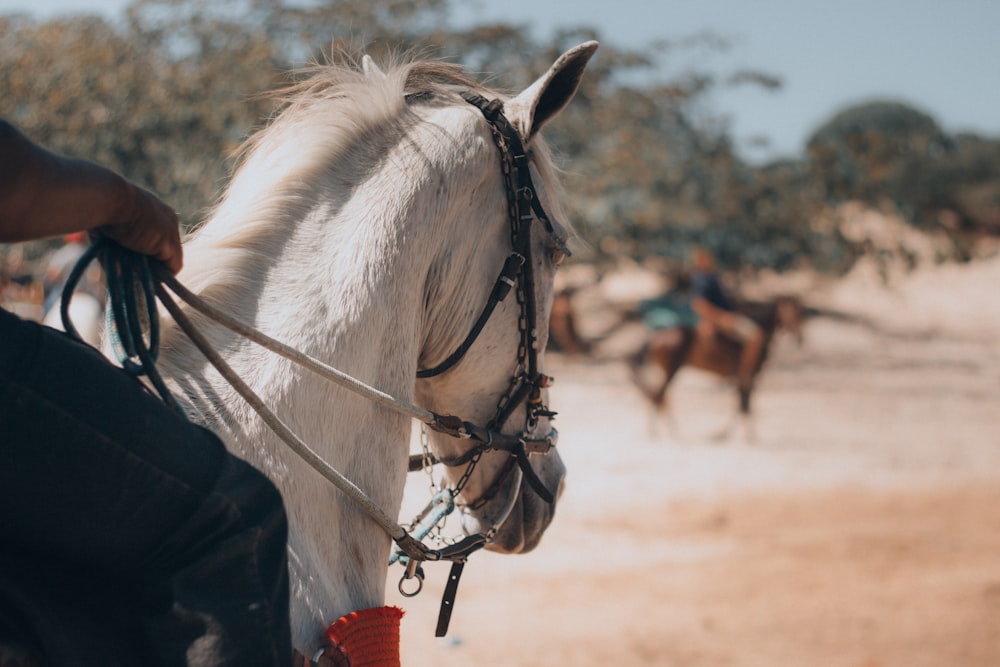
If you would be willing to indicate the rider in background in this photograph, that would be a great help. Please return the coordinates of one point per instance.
(129, 535)
(717, 314)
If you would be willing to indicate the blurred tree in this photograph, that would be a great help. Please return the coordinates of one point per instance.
(86, 88)
(167, 93)
(888, 151)
(873, 150)
(961, 189)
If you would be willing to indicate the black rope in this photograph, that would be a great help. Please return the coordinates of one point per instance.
(131, 314)
(70, 286)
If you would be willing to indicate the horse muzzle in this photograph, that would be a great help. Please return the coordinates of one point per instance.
(517, 517)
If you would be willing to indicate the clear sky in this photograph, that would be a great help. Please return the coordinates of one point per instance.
(941, 57)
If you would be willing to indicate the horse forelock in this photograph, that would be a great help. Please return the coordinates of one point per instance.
(332, 106)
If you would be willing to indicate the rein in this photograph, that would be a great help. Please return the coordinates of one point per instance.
(134, 311)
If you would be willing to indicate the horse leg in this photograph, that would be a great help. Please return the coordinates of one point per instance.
(746, 415)
(662, 411)
(739, 416)
(671, 364)
(667, 351)
(563, 334)
(670, 353)
(749, 429)
(750, 355)
(637, 364)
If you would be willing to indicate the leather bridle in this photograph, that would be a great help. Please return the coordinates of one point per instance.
(523, 206)
(526, 384)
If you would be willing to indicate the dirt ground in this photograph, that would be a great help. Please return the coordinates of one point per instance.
(861, 528)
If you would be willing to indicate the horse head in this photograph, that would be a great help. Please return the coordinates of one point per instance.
(499, 380)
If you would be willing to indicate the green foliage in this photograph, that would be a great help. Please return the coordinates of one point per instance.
(89, 89)
(887, 151)
(872, 150)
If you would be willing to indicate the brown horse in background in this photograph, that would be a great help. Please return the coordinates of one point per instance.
(563, 333)
(669, 350)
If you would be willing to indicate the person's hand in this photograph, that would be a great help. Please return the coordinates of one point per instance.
(43, 194)
(148, 226)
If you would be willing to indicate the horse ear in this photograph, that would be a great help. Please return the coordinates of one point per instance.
(370, 69)
(545, 98)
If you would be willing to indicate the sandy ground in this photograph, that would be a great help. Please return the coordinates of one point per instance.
(860, 529)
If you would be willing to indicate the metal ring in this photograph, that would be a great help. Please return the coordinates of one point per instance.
(419, 577)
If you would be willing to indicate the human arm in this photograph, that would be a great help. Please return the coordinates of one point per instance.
(705, 309)
(43, 195)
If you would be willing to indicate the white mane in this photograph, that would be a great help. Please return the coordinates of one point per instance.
(333, 125)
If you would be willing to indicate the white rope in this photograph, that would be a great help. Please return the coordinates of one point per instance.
(387, 523)
(412, 547)
(313, 364)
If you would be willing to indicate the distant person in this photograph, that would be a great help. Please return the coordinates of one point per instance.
(130, 536)
(672, 309)
(717, 314)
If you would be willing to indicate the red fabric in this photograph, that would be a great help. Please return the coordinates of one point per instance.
(367, 638)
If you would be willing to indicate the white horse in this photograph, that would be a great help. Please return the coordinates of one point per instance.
(365, 226)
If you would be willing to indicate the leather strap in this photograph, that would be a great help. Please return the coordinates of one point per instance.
(501, 288)
(448, 598)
